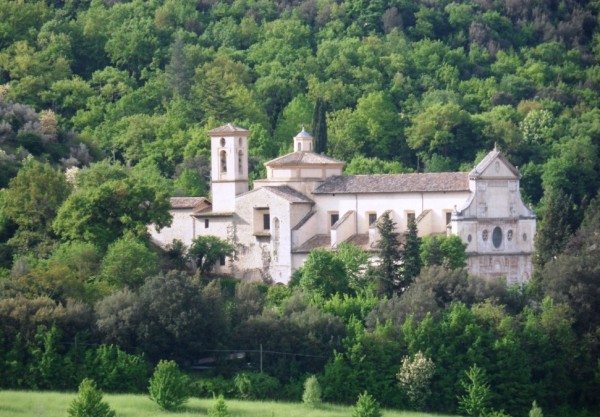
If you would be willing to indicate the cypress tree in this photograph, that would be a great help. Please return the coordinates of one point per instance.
(390, 256)
(554, 230)
(411, 266)
(319, 126)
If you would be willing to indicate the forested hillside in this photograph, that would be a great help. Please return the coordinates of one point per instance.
(104, 111)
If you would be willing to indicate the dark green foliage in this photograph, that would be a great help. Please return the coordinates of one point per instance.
(31, 201)
(116, 370)
(256, 386)
(411, 258)
(89, 402)
(554, 230)
(169, 387)
(319, 127)
(390, 257)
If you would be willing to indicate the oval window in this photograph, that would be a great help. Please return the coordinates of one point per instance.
(469, 238)
(497, 237)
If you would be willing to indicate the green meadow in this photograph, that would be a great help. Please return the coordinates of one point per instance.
(53, 404)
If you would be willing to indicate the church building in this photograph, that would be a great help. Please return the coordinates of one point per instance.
(306, 203)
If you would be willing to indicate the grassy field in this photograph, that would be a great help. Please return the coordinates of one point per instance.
(50, 404)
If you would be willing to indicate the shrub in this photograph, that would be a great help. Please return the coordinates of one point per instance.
(168, 386)
(219, 408)
(535, 411)
(366, 406)
(256, 386)
(312, 391)
(88, 402)
(414, 378)
(476, 399)
(118, 371)
(210, 387)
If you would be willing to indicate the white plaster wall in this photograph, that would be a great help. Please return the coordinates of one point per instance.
(400, 204)
(345, 229)
(182, 228)
(223, 196)
(305, 232)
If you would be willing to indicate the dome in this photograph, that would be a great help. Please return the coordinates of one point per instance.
(303, 134)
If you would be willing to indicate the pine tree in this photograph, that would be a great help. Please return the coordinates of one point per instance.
(411, 266)
(390, 256)
(89, 402)
(319, 126)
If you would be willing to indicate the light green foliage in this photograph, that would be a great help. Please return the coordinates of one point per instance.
(109, 202)
(312, 392)
(128, 262)
(118, 371)
(447, 251)
(355, 261)
(360, 165)
(169, 387)
(366, 406)
(323, 274)
(476, 399)
(414, 378)
(206, 250)
(219, 408)
(89, 402)
(536, 410)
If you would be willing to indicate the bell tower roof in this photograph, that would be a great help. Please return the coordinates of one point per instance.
(303, 141)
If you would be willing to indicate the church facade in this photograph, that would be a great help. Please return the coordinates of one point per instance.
(306, 203)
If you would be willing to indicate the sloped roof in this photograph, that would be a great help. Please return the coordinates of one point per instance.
(228, 128)
(196, 203)
(317, 241)
(487, 161)
(395, 183)
(289, 194)
(283, 191)
(303, 134)
(303, 158)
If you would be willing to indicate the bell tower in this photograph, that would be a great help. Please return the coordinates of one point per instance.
(229, 165)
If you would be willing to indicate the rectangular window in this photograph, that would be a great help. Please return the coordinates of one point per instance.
(206, 222)
(266, 221)
(448, 217)
(334, 218)
(372, 218)
(410, 216)
(222, 261)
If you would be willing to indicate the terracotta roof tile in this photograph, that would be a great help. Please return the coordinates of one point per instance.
(395, 183)
(228, 128)
(196, 203)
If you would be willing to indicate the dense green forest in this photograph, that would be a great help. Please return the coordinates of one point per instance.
(104, 109)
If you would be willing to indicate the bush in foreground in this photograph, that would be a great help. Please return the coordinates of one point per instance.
(312, 392)
(366, 406)
(219, 408)
(168, 386)
(88, 402)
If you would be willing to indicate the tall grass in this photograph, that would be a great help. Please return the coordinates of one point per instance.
(52, 404)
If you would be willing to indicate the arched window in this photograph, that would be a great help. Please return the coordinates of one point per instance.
(497, 237)
(223, 161)
(240, 161)
(222, 141)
